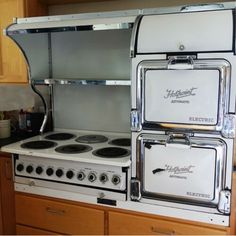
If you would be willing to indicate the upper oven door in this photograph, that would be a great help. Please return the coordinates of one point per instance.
(181, 168)
(183, 93)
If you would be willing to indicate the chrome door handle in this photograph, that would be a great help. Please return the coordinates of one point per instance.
(180, 62)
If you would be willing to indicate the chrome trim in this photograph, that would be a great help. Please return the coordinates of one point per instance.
(135, 194)
(81, 16)
(196, 142)
(221, 65)
(134, 35)
(224, 202)
(134, 120)
(94, 27)
(46, 110)
(229, 126)
(203, 7)
(168, 10)
(82, 82)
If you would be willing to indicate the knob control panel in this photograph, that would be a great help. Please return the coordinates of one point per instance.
(66, 172)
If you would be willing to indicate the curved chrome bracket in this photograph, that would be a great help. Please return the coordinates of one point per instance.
(46, 110)
(134, 35)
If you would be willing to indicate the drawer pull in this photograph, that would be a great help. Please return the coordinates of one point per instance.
(160, 231)
(55, 211)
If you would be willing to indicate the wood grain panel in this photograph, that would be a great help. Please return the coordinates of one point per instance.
(7, 196)
(25, 230)
(58, 217)
(126, 224)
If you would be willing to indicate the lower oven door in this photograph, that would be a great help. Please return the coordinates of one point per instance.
(182, 169)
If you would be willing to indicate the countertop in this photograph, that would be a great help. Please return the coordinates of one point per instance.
(15, 137)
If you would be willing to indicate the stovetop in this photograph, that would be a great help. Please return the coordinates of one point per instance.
(81, 146)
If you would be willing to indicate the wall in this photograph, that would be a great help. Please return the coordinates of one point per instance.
(120, 5)
(92, 107)
(16, 97)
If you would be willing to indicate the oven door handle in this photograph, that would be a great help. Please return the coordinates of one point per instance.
(178, 141)
(180, 63)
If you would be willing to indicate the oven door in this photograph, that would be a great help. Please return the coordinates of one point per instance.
(183, 93)
(181, 168)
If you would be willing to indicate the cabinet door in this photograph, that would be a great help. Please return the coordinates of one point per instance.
(125, 224)
(7, 195)
(12, 63)
(58, 216)
(25, 230)
(13, 67)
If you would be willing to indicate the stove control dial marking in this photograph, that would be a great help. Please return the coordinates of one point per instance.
(59, 173)
(115, 179)
(81, 175)
(49, 171)
(70, 174)
(29, 169)
(39, 170)
(92, 177)
(103, 178)
(20, 167)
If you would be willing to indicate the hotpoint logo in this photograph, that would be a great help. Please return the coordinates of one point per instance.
(180, 96)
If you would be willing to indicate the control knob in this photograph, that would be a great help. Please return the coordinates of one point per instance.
(29, 169)
(92, 177)
(49, 171)
(81, 175)
(115, 179)
(59, 173)
(39, 170)
(103, 178)
(69, 174)
(20, 167)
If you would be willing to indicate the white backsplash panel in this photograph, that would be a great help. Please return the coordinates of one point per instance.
(92, 107)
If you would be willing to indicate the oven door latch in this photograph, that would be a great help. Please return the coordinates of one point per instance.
(229, 125)
(135, 190)
(224, 202)
(134, 120)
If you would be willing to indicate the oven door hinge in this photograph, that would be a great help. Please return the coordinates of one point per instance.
(134, 120)
(229, 125)
(135, 190)
(224, 202)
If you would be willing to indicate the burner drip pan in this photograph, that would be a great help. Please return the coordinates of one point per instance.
(60, 136)
(125, 142)
(111, 152)
(73, 148)
(41, 144)
(92, 138)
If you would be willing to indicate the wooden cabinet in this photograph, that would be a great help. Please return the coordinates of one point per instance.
(7, 215)
(127, 224)
(25, 230)
(56, 216)
(12, 63)
(42, 215)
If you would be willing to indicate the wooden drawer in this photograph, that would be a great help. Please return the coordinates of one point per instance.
(121, 223)
(26, 230)
(57, 216)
